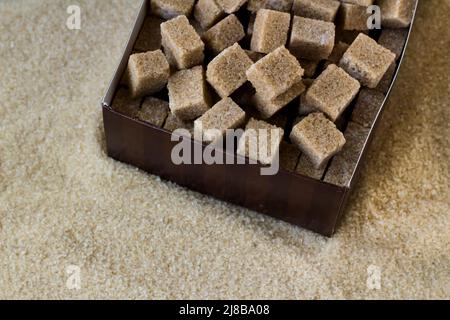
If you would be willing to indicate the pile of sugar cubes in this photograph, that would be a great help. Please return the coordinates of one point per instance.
(310, 69)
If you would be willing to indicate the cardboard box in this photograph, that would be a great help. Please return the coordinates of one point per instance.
(297, 199)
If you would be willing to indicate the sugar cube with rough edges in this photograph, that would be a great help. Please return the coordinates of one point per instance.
(275, 73)
(367, 61)
(318, 138)
(311, 39)
(207, 13)
(332, 92)
(188, 94)
(224, 34)
(147, 73)
(124, 103)
(182, 43)
(227, 71)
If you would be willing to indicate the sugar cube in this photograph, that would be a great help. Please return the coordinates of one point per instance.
(169, 9)
(214, 123)
(332, 92)
(154, 111)
(274, 74)
(318, 138)
(343, 165)
(226, 72)
(270, 30)
(316, 9)
(367, 61)
(207, 13)
(147, 72)
(312, 39)
(224, 34)
(305, 167)
(188, 95)
(279, 5)
(182, 43)
(259, 133)
(396, 13)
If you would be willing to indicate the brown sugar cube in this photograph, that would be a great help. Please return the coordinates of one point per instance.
(231, 6)
(270, 30)
(182, 43)
(149, 38)
(268, 107)
(309, 66)
(325, 10)
(154, 111)
(289, 155)
(367, 61)
(332, 92)
(318, 138)
(214, 123)
(254, 56)
(278, 5)
(312, 39)
(173, 123)
(257, 133)
(343, 165)
(224, 34)
(124, 103)
(353, 17)
(386, 81)
(274, 74)
(148, 73)
(169, 9)
(207, 13)
(396, 13)
(188, 95)
(306, 168)
(394, 40)
(226, 72)
(367, 106)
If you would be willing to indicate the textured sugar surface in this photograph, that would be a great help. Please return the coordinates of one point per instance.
(311, 39)
(124, 103)
(230, 6)
(224, 34)
(306, 168)
(270, 30)
(367, 106)
(353, 17)
(154, 111)
(394, 40)
(207, 13)
(227, 72)
(396, 14)
(135, 236)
